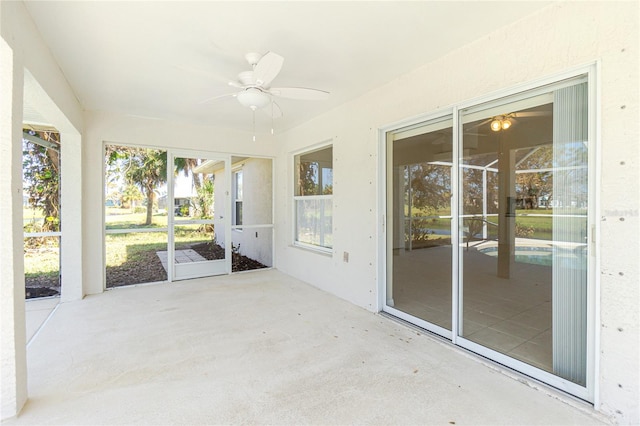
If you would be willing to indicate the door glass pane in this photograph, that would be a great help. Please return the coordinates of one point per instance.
(523, 229)
(195, 229)
(419, 212)
(196, 243)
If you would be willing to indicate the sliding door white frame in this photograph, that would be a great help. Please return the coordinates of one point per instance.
(587, 392)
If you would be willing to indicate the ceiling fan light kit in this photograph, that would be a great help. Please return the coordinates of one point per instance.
(255, 86)
(500, 123)
(253, 98)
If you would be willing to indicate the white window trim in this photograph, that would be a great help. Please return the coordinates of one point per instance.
(234, 192)
(292, 182)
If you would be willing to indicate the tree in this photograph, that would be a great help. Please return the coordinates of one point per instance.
(41, 174)
(533, 185)
(143, 167)
(430, 186)
(130, 195)
(202, 183)
(308, 178)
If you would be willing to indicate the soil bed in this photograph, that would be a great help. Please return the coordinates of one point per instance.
(147, 268)
(41, 287)
(211, 251)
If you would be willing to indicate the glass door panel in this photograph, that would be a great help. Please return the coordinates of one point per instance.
(523, 230)
(419, 163)
(197, 217)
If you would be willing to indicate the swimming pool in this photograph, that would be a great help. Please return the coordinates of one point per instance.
(532, 255)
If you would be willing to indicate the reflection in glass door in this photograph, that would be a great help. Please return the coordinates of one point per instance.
(419, 163)
(523, 219)
(195, 223)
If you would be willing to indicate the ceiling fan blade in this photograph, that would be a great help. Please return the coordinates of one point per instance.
(273, 110)
(267, 68)
(236, 85)
(531, 114)
(302, 93)
(475, 126)
(215, 98)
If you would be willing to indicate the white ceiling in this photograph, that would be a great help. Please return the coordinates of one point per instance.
(160, 59)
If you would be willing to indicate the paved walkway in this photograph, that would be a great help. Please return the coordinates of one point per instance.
(182, 256)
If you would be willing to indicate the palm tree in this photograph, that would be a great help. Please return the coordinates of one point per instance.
(142, 167)
(147, 169)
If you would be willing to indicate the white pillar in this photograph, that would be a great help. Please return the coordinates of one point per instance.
(506, 208)
(71, 215)
(12, 290)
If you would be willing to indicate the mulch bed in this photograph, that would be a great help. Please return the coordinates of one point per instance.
(147, 269)
(41, 287)
(211, 251)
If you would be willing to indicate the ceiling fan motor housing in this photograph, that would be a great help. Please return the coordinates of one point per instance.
(246, 78)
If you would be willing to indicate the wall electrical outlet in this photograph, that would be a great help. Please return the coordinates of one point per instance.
(345, 256)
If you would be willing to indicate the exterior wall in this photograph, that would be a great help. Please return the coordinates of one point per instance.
(12, 309)
(560, 37)
(24, 50)
(118, 129)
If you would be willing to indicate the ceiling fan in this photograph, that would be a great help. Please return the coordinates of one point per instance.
(505, 121)
(255, 86)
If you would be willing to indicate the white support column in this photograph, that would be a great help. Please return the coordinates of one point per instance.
(506, 208)
(12, 289)
(71, 241)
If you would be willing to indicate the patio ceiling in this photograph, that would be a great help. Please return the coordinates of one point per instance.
(159, 60)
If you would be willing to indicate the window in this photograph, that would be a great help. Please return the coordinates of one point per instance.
(237, 198)
(313, 198)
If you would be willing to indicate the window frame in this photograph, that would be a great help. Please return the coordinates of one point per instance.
(236, 199)
(295, 156)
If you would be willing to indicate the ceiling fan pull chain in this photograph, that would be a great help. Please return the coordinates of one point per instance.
(272, 116)
(254, 124)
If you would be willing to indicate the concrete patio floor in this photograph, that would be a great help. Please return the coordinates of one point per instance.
(262, 348)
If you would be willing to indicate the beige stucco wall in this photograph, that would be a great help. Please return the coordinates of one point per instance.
(30, 73)
(560, 37)
(255, 243)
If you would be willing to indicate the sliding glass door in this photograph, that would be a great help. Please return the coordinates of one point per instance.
(490, 246)
(419, 250)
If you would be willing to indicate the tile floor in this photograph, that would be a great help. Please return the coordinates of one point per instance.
(512, 316)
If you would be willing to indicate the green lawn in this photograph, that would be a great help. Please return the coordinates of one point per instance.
(43, 260)
(536, 227)
(116, 218)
